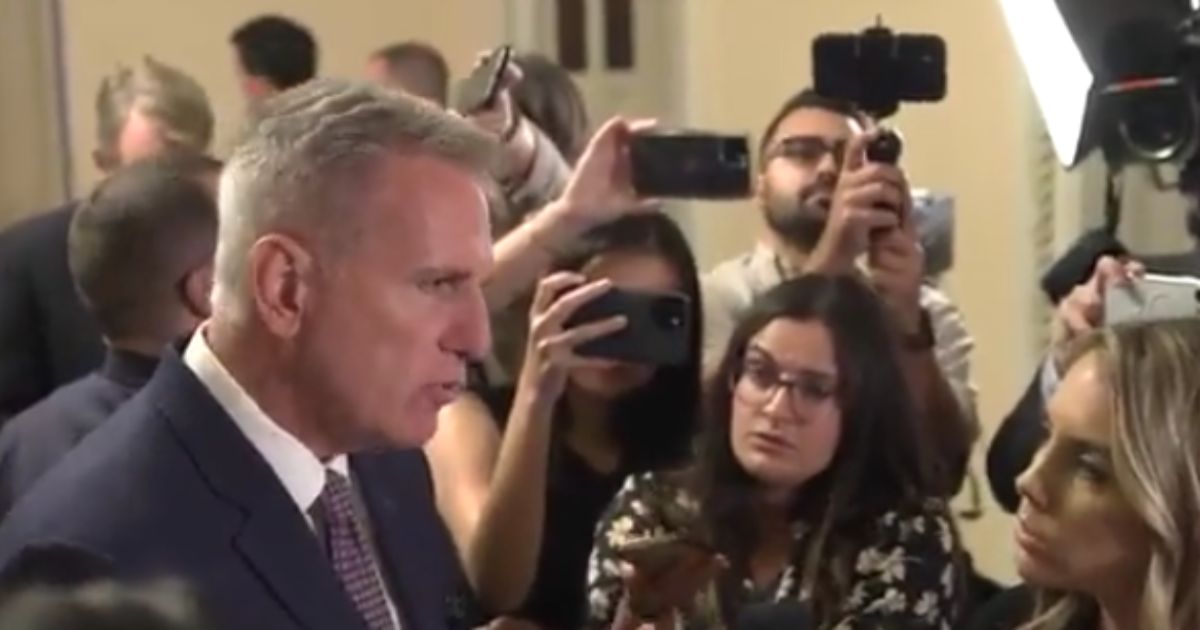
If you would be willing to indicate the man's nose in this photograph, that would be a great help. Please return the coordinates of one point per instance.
(470, 333)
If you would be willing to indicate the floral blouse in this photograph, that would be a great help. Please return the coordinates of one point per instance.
(907, 579)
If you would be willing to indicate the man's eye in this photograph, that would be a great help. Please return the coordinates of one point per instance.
(441, 285)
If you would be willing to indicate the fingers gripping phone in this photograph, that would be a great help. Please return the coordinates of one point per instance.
(480, 89)
(658, 332)
(655, 554)
(1151, 298)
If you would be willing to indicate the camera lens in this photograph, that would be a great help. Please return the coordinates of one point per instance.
(668, 313)
(1158, 124)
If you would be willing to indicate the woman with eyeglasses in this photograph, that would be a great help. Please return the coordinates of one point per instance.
(810, 485)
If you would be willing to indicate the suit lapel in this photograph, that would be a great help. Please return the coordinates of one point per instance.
(288, 560)
(387, 490)
(275, 540)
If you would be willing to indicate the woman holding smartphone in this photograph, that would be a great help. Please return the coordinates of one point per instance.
(522, 476)
(811, 485)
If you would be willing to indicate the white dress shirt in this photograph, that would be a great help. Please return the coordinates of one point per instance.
(297, 468)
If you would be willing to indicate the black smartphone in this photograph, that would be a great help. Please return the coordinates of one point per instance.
(690, 165)
(480, 88)
(658, 332)
(878, 69)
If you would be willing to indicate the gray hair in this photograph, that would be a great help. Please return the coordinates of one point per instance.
(166, 94)
(309, 150)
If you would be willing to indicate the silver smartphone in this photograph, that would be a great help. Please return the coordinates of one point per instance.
(1151, 298)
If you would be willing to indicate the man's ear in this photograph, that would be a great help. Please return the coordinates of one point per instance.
(105, 160)
(280, 275)
(760, 187)
(197, 291)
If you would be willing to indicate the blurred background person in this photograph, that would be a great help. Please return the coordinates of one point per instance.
(273, 53)
(1108, 536)
(47, 337)
(522, 474)
(811, 483)
(140, 250)
(415, 67)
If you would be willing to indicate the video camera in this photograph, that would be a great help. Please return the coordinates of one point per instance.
(877, 70)
(1119, 75)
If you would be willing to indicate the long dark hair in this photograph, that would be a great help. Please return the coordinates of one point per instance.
(879, 464)
(653, 424)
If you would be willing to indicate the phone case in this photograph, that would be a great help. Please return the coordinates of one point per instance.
(479, 89)
(1152, 298)
(659, 329)
(656, 553)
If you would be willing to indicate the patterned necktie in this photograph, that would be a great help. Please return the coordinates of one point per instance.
(352, 560)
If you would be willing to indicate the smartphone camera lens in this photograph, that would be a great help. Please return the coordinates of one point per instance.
(734, 152)
(668, 314)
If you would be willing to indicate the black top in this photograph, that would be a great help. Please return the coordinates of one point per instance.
(576, 496)
(1014, 607)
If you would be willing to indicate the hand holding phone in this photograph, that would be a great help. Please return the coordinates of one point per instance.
(551, 348)
(1152, 298)
(665, 572)
(658, 328)
(481, 88)
(655, 554)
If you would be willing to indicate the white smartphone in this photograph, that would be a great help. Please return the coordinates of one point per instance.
(1151, 298)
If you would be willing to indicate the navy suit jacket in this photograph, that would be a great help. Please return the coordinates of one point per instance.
(47, 336)
(39, 437)
(170, 486)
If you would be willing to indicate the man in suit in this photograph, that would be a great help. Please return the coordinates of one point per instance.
(140, 250)
(272, 460)
(47, 338)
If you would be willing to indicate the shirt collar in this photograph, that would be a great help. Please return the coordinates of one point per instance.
(128, 368)
(297, 468)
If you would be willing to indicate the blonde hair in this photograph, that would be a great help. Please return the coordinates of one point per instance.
(309, 149)
(167, 95)
(1153, 373)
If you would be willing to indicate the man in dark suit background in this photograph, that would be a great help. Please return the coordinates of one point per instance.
(140, 251)
(272, 460)
(47, 338)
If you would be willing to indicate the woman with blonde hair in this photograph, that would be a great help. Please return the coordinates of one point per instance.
(1108, 532)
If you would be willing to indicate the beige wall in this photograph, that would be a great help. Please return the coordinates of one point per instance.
(193, 36)
(30, 174)
(746, 57)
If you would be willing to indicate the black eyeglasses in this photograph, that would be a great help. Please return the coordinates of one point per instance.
(808, 150)
(759, 378)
